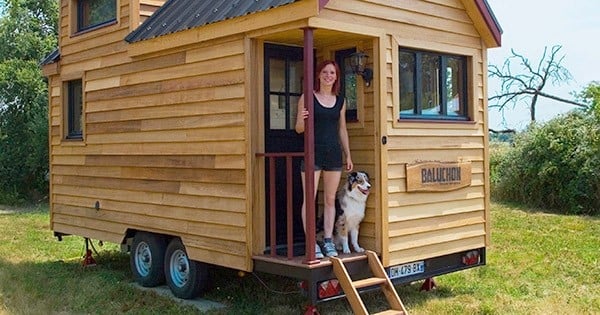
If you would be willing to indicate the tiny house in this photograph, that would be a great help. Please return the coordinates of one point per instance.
(172, 131)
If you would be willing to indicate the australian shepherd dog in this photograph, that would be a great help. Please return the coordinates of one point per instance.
(350, 204)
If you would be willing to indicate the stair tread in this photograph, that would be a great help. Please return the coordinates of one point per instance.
(379, 279)
(390, 312)
(363, 283)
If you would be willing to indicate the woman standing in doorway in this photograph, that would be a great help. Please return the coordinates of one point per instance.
(331, 138)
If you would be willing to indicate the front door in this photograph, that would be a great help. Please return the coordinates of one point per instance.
(283, 87)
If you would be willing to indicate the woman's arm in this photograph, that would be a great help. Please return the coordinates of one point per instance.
(344, 138)
(302, 114)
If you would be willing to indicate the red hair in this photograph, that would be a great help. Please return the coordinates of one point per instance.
(336, 85)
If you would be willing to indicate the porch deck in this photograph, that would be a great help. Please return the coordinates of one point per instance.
(313, 273)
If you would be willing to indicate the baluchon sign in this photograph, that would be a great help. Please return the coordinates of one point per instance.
(437, 176)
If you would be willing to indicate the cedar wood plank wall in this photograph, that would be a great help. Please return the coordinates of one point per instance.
(422, 225)
(164, 142)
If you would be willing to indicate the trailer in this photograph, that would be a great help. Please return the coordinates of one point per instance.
(172, 133)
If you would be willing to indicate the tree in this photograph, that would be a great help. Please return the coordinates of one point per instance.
(528, 81)
(591, 97)
(28, 31)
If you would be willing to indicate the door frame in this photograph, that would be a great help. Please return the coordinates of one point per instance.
(256, 169)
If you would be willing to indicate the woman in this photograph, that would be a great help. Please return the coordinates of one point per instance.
(331, 138)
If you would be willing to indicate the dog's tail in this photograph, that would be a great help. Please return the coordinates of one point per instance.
(338, 208)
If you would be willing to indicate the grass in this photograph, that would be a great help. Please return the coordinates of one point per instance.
(538, 263)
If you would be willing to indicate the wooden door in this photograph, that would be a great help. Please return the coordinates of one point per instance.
(283, 87)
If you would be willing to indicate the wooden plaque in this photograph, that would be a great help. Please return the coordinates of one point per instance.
(437, 176)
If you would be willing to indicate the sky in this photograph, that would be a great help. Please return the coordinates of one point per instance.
(529, 26)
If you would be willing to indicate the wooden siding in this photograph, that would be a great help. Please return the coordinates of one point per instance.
(147, 7)
(164, 146)
(426, 224)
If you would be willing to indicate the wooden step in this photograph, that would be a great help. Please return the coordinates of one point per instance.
(379, 278)
(369, 282)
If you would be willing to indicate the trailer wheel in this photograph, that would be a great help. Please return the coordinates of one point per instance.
(186, 278)
(147, 259)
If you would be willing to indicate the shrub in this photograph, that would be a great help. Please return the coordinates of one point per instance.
(554, 166)
(498, 152)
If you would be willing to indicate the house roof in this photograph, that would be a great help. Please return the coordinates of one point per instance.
(179, 15)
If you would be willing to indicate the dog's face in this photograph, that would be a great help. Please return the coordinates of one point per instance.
(360, 181)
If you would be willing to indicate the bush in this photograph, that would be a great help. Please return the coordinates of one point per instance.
(498, 152)
(552, 166)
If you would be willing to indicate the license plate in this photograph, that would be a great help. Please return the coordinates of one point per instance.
(405, 270)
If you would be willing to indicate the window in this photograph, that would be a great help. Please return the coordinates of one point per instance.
(285, 88)
(347, 83)
(92, 13)
(74, 114)
(432, 86)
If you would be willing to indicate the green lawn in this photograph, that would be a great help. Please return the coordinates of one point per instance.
(538, 263)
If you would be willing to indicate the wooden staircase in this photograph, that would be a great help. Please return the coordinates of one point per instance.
(379, 278)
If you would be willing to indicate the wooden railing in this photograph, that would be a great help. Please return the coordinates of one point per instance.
(272, 159)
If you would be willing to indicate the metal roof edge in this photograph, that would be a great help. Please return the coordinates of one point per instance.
(51, 58)
(169, 19)
(490, 19)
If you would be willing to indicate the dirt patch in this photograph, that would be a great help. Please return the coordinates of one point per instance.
(6, 210)
(201, 304)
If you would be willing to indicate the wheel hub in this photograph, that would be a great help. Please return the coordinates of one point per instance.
(143, 259)
(179, 268)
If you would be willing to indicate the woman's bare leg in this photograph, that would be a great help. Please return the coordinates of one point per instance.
(316, 185)
(331, 181)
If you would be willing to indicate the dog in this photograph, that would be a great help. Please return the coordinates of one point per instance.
(350, 204)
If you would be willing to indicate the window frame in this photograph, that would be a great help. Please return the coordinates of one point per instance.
(340, 55)
(70, 86)
(443, 58)
(79, 17)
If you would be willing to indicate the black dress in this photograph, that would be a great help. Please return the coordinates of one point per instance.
(328, 150)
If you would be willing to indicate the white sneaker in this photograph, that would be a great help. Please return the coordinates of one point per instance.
(329, 248)
(318, 253)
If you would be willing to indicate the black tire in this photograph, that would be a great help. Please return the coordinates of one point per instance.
(147, 259)
(186, 278)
